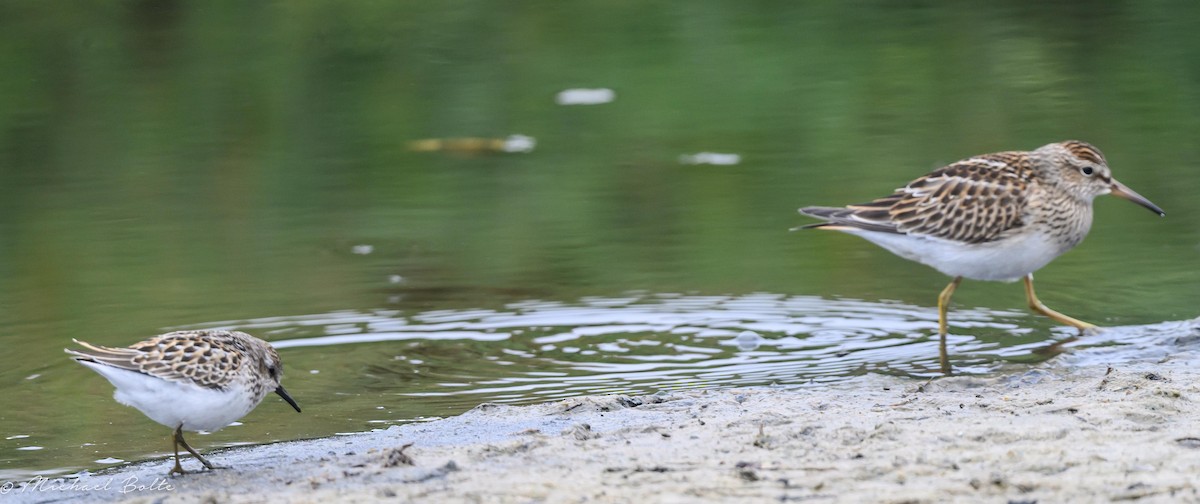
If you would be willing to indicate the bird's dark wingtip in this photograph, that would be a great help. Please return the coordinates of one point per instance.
(817, 225)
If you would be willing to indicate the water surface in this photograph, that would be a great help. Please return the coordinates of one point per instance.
(170, 165)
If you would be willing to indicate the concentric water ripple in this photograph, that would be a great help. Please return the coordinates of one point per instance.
(537, 350)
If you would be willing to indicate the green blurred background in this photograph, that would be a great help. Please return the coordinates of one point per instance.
(167, 163)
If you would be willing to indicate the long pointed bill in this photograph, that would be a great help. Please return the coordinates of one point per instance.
(1119, 189)
(283, 393)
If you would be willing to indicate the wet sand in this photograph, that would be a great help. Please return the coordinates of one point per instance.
(1046, 434)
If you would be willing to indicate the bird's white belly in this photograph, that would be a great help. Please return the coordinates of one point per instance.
(173, 404)
(1006, 260)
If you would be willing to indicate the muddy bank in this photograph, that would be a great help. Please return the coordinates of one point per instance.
(1049, 434)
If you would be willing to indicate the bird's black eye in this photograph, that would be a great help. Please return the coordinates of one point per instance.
(272, 371)
(1087, 170)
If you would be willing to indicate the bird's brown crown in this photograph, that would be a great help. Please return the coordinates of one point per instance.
(1084, 151)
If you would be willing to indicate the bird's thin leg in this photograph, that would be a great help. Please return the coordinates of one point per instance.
(1036, 305)
(178, 469)
(943, 305)
(179, 440)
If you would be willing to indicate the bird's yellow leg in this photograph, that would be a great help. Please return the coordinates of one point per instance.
(1036, 305)
(943, 305)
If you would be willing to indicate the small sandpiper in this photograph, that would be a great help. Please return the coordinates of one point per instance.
(190, 380)
(998, 216)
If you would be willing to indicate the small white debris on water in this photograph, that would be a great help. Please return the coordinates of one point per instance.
(748, 340)
(362, 249)
(18, 436)
(33, 376)
(581, 96)
(30, 448)
(519, 143)
(395, 279)
(711, 158)
(314, 371)
(109, 460)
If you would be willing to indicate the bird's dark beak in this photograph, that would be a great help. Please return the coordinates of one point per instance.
(283, 393)
(1119, 190)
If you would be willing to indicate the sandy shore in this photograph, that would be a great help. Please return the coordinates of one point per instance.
(1053, 433)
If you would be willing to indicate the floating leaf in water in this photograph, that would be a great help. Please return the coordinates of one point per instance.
(510, 144)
